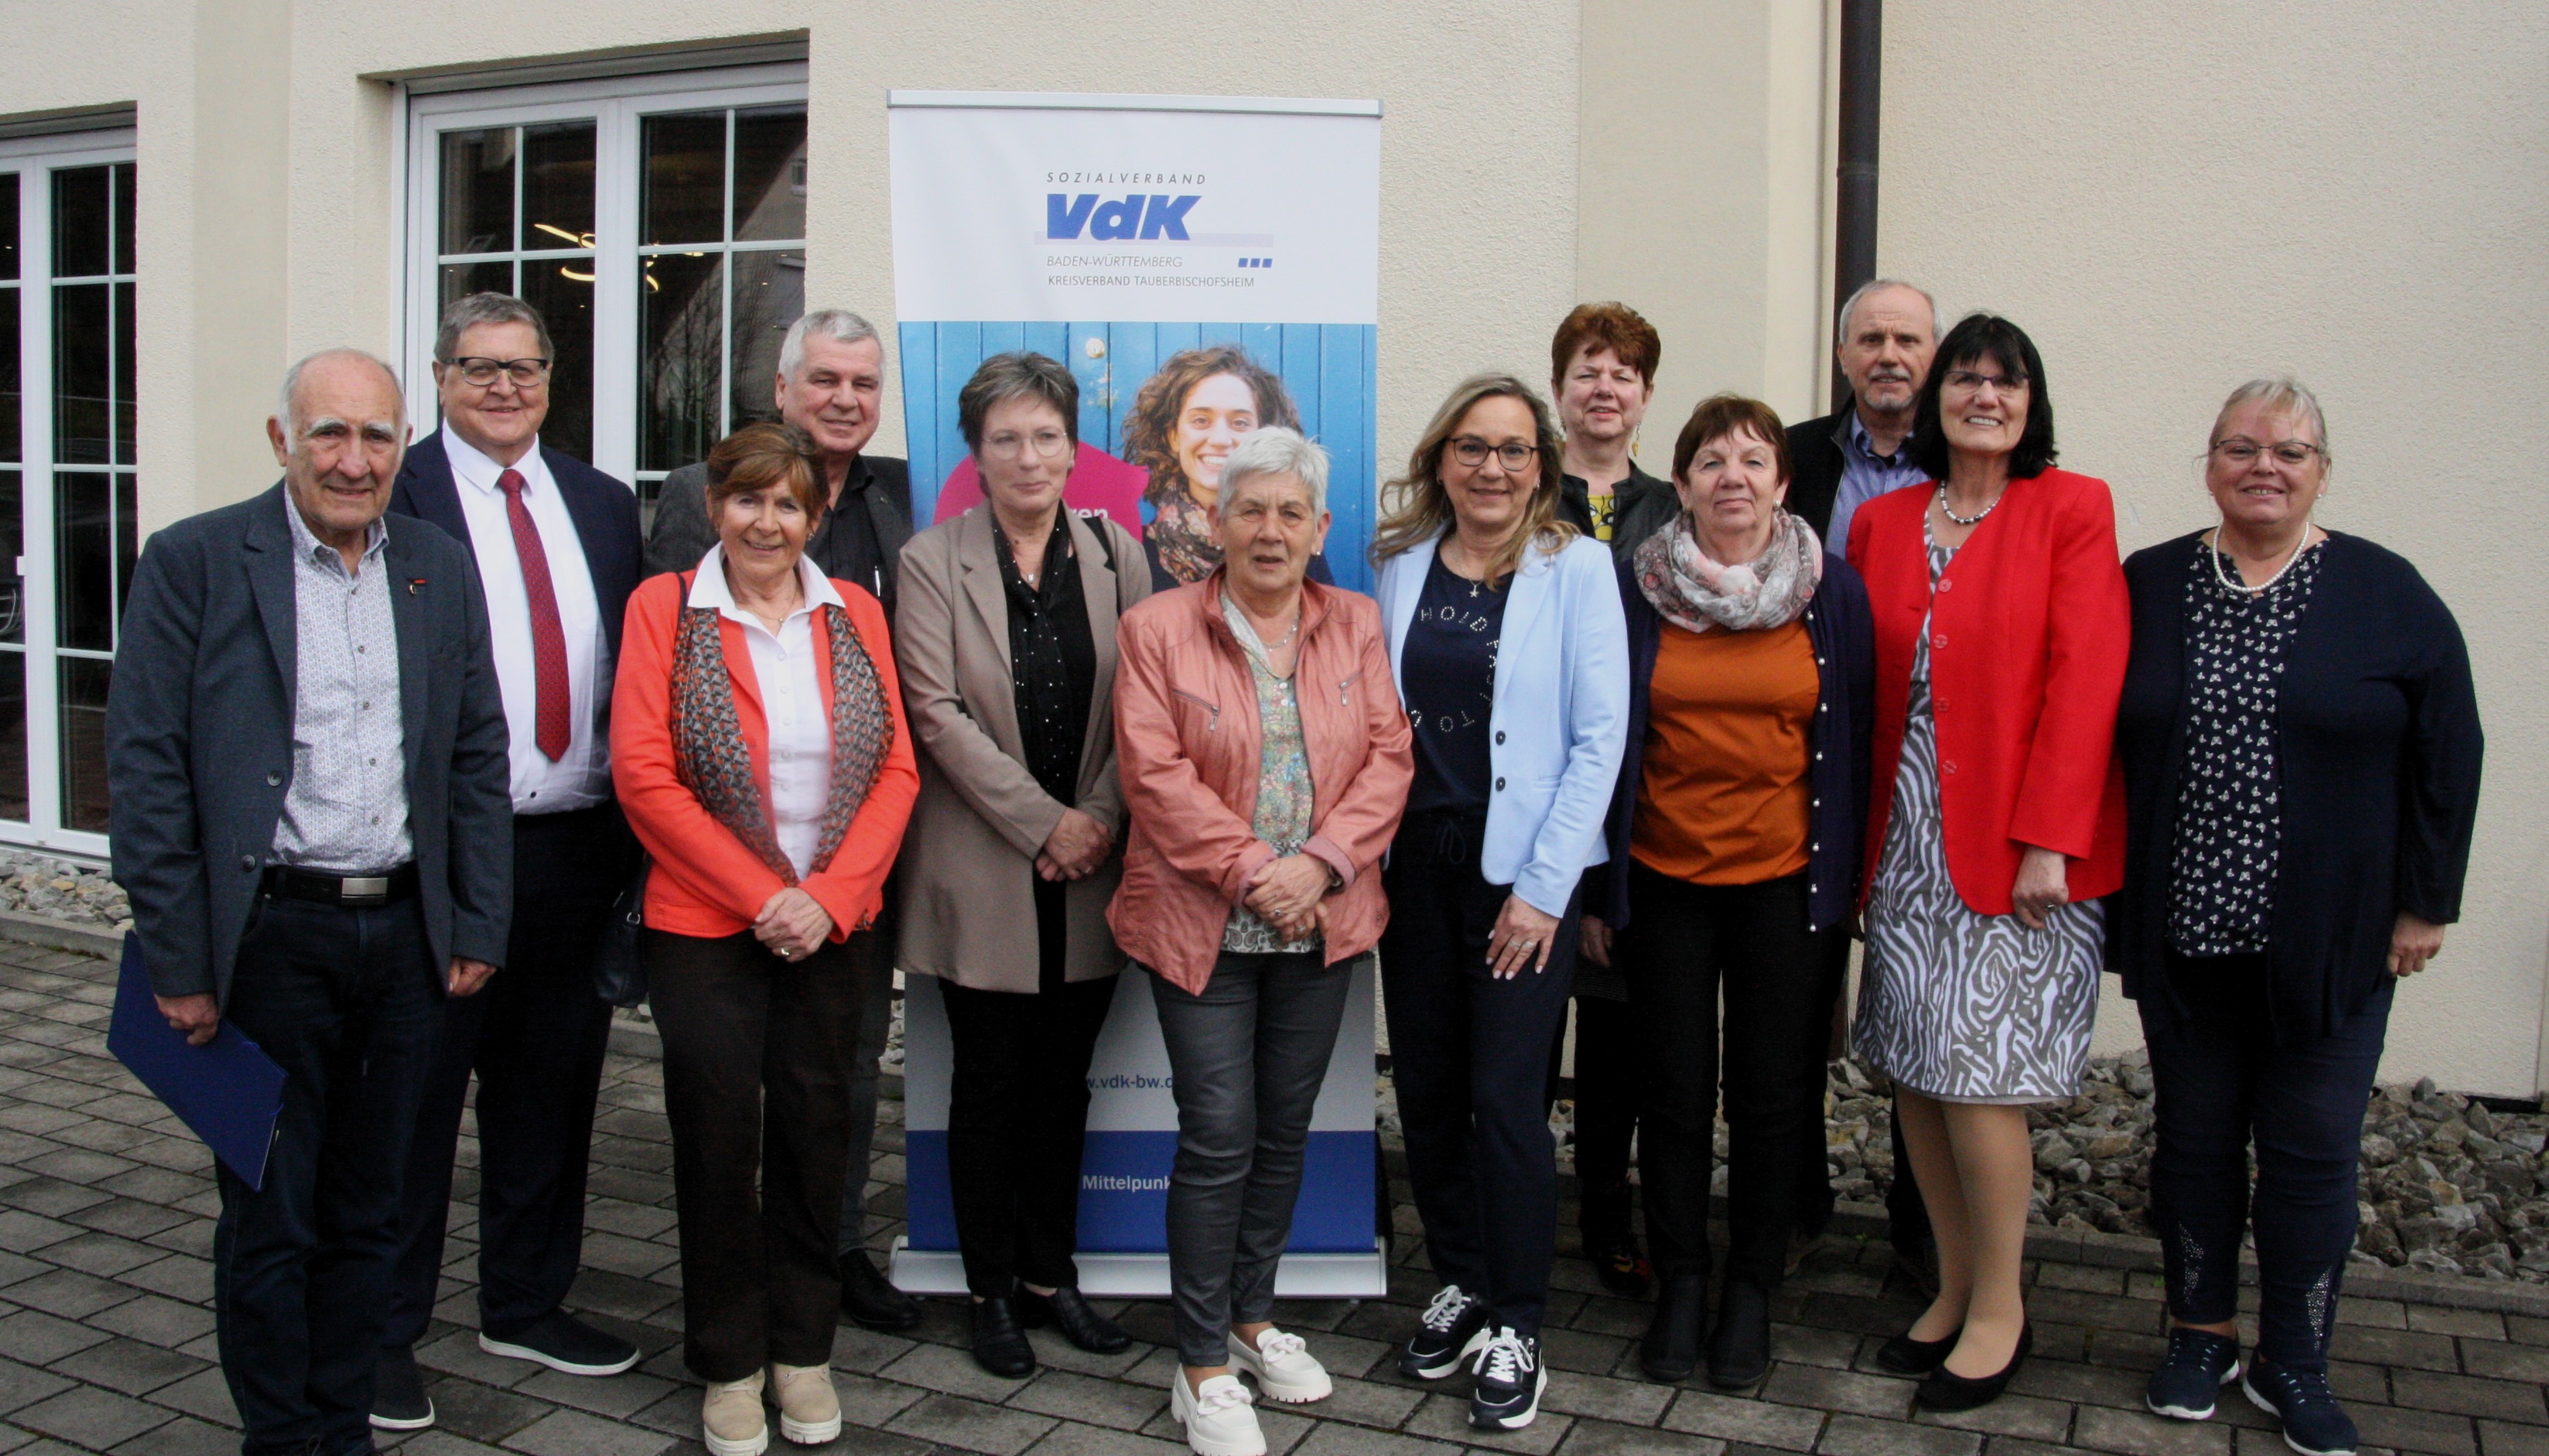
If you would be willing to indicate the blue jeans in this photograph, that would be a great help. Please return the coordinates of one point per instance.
(348, 1003)
(2222, 1081)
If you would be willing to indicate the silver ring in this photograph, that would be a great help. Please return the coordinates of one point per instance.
(785, 953)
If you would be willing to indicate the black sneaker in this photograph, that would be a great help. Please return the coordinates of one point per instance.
(1510, 1380)
(399, 1400)
(2314, 1424)
(1453, 1328)
(2198, 1365)
(563, 1343)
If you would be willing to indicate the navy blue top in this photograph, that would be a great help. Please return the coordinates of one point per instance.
(1447, 679)
(1844, 636)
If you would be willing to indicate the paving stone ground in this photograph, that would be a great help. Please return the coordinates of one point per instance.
(105, 1325)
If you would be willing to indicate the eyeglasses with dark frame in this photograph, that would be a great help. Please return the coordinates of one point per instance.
(481, 372)
(1971, 380)
(1472, 452)
(2243, 451)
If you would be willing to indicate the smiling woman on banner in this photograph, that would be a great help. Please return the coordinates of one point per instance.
(1181, 428)
(1006, 632)
(1264, 760)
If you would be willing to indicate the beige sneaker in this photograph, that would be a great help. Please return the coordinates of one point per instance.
(732, 1423)
(809, 1412)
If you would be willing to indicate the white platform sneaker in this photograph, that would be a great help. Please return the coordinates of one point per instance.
(1220, 1420)
(1283, 1367)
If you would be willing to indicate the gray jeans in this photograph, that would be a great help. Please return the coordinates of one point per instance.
(1248, 1054)
(875, 1017)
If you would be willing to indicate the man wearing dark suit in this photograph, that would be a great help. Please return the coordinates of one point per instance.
(555, 548)
(831, 385)
(1887, 334)
(305, 753)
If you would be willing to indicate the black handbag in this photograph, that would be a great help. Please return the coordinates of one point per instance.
(618, 968)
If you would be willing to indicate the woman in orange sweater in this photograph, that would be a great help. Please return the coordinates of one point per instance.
(758, 745)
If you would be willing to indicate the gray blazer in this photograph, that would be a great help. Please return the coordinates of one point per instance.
(966, 875)
(199, 739)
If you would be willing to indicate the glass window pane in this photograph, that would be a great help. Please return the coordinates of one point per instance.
(83, 747)
(126, 412)
(83, 419)
(124, 215)
(10, 422)
(128, 542)
(562, 290)
(459, 280)
(680, 340)
(478, 191)
(79, 221)
(13, 736)
(769, 294)
(770, 175)
(557, 185)
(84, 559)
(8, 225)
(13, 603)
(684, 178)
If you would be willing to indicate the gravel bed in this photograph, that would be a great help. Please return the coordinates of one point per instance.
(57, 890)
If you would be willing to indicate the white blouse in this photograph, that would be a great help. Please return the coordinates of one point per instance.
(788, 672)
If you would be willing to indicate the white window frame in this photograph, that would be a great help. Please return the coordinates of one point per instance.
(35, 159)
(618, 107)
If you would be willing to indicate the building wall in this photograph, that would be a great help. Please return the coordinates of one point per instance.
(2173, 197)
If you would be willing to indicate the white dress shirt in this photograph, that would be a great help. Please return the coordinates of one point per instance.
(580, 778)
(788, 672)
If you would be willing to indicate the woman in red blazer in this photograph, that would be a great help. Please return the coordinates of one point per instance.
(1996, 821)
(758, 745)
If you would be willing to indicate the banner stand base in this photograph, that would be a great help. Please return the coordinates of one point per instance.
(1145, 1276)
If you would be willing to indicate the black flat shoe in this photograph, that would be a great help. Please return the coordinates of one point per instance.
(1670, 1350)
(1067, 1312)
(1946, 1391)
(868, 1299)
(1904, 1355)
(1739, 1350)
(1000, 1345)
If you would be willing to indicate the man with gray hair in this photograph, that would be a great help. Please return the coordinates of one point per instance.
(306, 756)
(1886, 334)
(831, 385)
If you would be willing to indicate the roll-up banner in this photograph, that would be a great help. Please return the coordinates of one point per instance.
(1203, 266)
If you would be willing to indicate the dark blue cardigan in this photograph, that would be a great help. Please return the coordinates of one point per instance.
(1844, 642)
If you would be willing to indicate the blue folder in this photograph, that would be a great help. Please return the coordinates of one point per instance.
(227, 1089)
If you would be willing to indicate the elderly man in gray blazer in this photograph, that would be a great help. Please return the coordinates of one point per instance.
(306, 749)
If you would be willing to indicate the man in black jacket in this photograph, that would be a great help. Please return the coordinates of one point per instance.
(831, 386)
(1861, 450)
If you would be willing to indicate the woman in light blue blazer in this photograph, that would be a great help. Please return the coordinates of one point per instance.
(1509, 648)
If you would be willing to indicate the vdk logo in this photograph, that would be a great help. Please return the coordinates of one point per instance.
(1150, 217)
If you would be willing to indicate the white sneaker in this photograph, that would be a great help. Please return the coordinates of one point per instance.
(1283, 1367)
(1219, 1419)
(731, 1422)
(810, 1411)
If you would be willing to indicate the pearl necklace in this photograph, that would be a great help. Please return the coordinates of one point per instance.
(2232, 582)
(1974, 519)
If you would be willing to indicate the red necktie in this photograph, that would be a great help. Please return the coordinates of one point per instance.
(549, 639)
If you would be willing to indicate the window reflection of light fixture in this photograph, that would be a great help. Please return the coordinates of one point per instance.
(573, 276)
(573, 239)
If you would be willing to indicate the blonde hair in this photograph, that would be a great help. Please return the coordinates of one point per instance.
(1420, 509)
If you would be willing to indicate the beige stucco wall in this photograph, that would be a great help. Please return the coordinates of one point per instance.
(2175, 196)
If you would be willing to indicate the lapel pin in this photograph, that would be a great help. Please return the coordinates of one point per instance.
(413, 585)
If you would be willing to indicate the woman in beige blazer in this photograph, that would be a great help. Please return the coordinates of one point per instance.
(1005, 635)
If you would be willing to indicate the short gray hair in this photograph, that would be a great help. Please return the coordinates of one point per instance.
(468, 313)
(292, 386)
(1275, 450)
(838, 324)
(1849, 306)
(1018, 375)
(2281, 394)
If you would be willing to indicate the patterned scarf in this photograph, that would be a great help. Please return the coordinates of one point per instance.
(1183, 532)
(1694, 593)
(716, 764)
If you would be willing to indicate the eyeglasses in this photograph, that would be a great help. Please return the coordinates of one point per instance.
(481, 372)
(2243, 451)
(1472, 451)
(1972, 381)
(1045, 442)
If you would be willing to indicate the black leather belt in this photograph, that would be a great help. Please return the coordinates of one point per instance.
(360, 891)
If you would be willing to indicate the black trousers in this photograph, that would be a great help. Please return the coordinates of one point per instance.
(757, 1086)
(1683, 945)
(2224, 1083)
(536, 1038)
(1017, 1113)
(1468, 1053)
(1606, 1111)
(347, 1002)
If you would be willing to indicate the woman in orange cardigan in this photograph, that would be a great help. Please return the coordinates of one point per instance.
(1995, 822)
(758, 745)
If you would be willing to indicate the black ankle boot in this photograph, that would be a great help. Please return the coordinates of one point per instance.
(1670, 1350)
(1739, 1350)
(1000, 1345)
